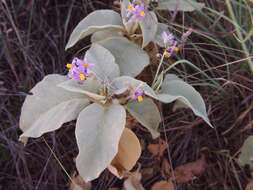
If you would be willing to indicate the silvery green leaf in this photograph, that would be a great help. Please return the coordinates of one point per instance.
(98, 131)
(124, 4)
(246, 156)
(158, 36)
(175, 89)
(95, 21)
(90, 88)
(179, 5)
(55, 117)
(149, 28)
(46, 96)
(126, 82)
(103, 61)
(103, 34)
(147, 113)
(130, 57)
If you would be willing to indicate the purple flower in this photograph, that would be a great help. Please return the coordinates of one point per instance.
(168, 38)
(171, 50)
(138, 94)
(79, 69)
(136, 11)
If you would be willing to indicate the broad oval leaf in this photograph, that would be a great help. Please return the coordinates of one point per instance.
(179, 5)
(147, 113)
(95, 21)
(55, 117)
(104, 34)
(174, 88)
(90, 88)
(98, 132)
(124, 82)
(128, 153)
(46, 96)
(149, 28)
(246, 156)
(104, 68)
(130, 57)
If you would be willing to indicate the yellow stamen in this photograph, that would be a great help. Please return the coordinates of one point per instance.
(86, 65)
(167, 54)
(139, 98)
(176, 49)
(69, 65)
(142, 13)
(82, 76)
(130, 7)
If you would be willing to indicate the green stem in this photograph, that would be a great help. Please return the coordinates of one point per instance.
(158, 69)
(239, 34)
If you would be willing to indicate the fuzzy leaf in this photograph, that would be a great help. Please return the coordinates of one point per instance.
(36, 117)
(147, 113)
(149, 28)
(246, 156)
(95, 21)
(128, 153)
(105, 67)
(179, 5)
(130, 57)
(174, 88)
(98, 132)
(104, 34)
(89, 89)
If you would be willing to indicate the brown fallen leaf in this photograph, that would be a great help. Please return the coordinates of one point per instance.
(188, 171)
(250, 184)
(133, 181)
(158, 149)
(78, 183)
(163, 185)
(128, 153)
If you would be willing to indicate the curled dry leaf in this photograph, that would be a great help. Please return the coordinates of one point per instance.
(129, 152)
(163, 185)
(158, 149)
(133, 182)
(79, 184)
(187, 172)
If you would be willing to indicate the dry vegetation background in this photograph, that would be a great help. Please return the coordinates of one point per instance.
(32, 39)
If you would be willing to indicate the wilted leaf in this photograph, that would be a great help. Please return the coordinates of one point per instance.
(77, 183)
(246, 156)
(104, 67)
(147, 113)
(148, 27)
(130, 57)
(175, 89)
(95, 21)
(104, 34)
(187, 172)
(133, 182)
(129, 152)
(157, 149)
(98, 131)
(163, 185)
(49, 107)
(179, 5)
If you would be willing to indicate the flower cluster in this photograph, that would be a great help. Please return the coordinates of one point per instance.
(171, 44)
(79, 69)
(136, 10)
